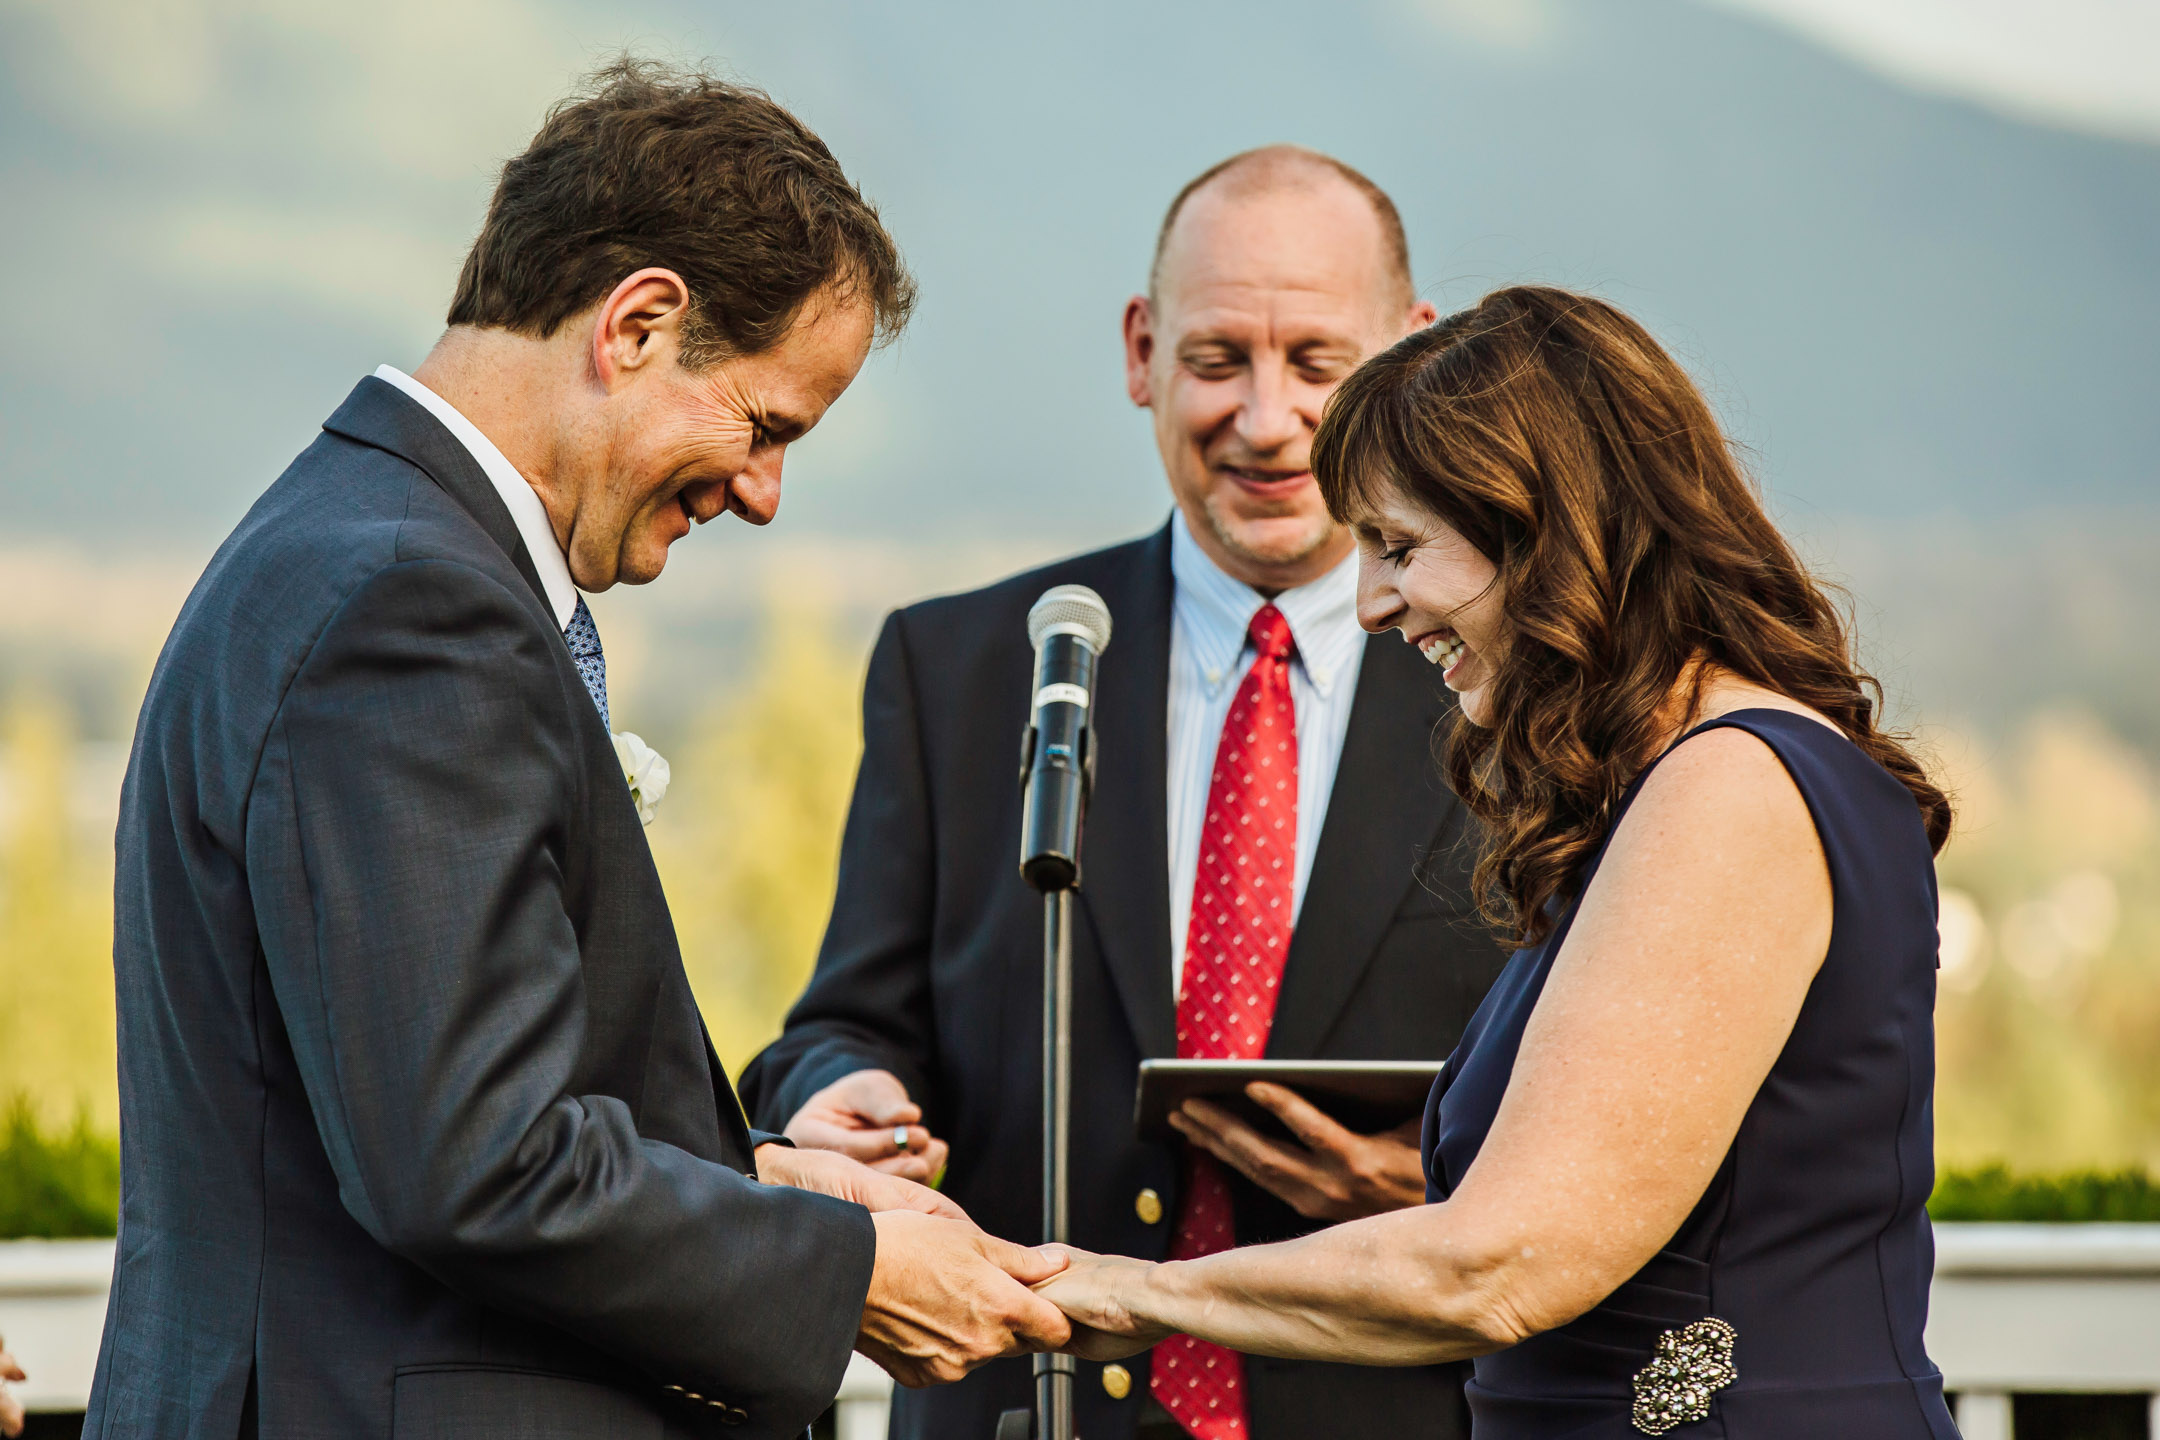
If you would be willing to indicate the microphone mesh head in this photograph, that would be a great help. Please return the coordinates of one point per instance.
(1073, 605)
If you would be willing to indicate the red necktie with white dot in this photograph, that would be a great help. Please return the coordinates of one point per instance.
(1235, 945)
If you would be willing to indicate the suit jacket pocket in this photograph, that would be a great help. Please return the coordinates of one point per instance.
(457, 1403)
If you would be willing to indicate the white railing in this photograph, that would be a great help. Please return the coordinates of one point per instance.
(865, 1402)
(2044, 1309)
(52, 1311)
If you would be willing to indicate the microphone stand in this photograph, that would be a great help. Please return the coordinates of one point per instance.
(1054, 1374)
(1069, 628)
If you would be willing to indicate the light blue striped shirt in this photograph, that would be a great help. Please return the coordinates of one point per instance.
(1209, 655)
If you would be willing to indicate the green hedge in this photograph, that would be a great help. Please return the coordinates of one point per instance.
(56, 1186)
(69, 1185)
(1993, 1192)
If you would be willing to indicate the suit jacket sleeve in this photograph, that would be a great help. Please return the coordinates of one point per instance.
(415, 798)
(868, 1006)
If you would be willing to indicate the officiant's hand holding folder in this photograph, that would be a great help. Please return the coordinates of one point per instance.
(1333, 1139)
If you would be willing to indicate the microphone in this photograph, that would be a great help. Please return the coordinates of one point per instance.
(1069, 628)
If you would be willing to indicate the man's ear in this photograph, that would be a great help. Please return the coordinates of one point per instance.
(1139, 349)
(1422, 314)
(639, 324)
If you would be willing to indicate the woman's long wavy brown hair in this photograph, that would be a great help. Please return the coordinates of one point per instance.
(1561, 440)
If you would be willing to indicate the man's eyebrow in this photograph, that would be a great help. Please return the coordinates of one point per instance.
(1325, 340)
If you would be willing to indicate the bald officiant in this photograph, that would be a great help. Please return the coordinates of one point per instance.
(916, 1045)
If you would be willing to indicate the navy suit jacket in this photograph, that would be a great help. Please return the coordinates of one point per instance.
(932, 965)
(421, 1131)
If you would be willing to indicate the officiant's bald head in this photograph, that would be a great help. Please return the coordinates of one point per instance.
(1282, 170)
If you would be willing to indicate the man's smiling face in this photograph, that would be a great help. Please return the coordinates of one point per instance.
(682, 447)
(1264, 301)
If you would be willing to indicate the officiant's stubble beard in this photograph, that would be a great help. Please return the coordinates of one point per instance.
(1261, 538)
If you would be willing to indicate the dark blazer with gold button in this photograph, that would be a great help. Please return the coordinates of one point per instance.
(421, 1132)
(932, 969)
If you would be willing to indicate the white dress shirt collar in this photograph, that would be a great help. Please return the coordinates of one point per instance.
(517, 493)
(1217, 611)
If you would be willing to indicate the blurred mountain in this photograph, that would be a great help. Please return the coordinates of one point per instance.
(1906, 304)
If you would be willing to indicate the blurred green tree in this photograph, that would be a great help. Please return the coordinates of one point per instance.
(2051, 954)
(748, 841)
(56, 975)
(2051, 908)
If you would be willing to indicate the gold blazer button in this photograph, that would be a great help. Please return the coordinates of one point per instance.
(1148, 1206)
(1116, 1381)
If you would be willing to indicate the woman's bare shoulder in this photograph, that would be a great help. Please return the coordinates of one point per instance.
(1721, 799)
(1721, 782)
(1718, 848)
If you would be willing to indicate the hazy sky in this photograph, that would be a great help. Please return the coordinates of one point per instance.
(2088, 63)
(404, 106)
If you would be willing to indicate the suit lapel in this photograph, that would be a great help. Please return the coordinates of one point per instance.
(1379, 819)
(1125, 879)
(377, 413)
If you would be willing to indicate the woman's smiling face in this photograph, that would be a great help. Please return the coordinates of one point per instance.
(1417, 574)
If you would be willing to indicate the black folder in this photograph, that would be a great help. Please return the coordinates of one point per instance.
(1366, 1096)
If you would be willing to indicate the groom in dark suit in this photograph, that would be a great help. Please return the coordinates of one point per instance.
(916, 1044)
(422, 1134)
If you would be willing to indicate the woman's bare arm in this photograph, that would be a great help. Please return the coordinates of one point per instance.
(1667, 1005)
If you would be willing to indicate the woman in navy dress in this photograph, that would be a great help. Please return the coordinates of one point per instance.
(1678, 1166)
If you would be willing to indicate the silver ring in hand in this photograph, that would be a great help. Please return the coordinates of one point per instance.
(899, 1139)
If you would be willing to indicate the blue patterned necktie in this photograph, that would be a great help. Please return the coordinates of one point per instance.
(584, 641)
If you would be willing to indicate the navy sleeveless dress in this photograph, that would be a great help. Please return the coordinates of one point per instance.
(1790, 1304)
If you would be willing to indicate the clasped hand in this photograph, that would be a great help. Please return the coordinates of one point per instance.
(1327, 1172)
(944, 1296)
(1095, 1292)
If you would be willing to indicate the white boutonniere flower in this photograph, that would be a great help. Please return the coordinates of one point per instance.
(645, 770)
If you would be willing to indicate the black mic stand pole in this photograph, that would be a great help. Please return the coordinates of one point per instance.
(1054, 1373)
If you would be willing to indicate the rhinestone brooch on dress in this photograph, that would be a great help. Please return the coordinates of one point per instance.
(1675, 1387)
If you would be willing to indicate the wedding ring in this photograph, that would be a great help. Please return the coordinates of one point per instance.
(899, 1139)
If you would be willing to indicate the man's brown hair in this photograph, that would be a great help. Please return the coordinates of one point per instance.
(1275, 167)
(650, 165)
